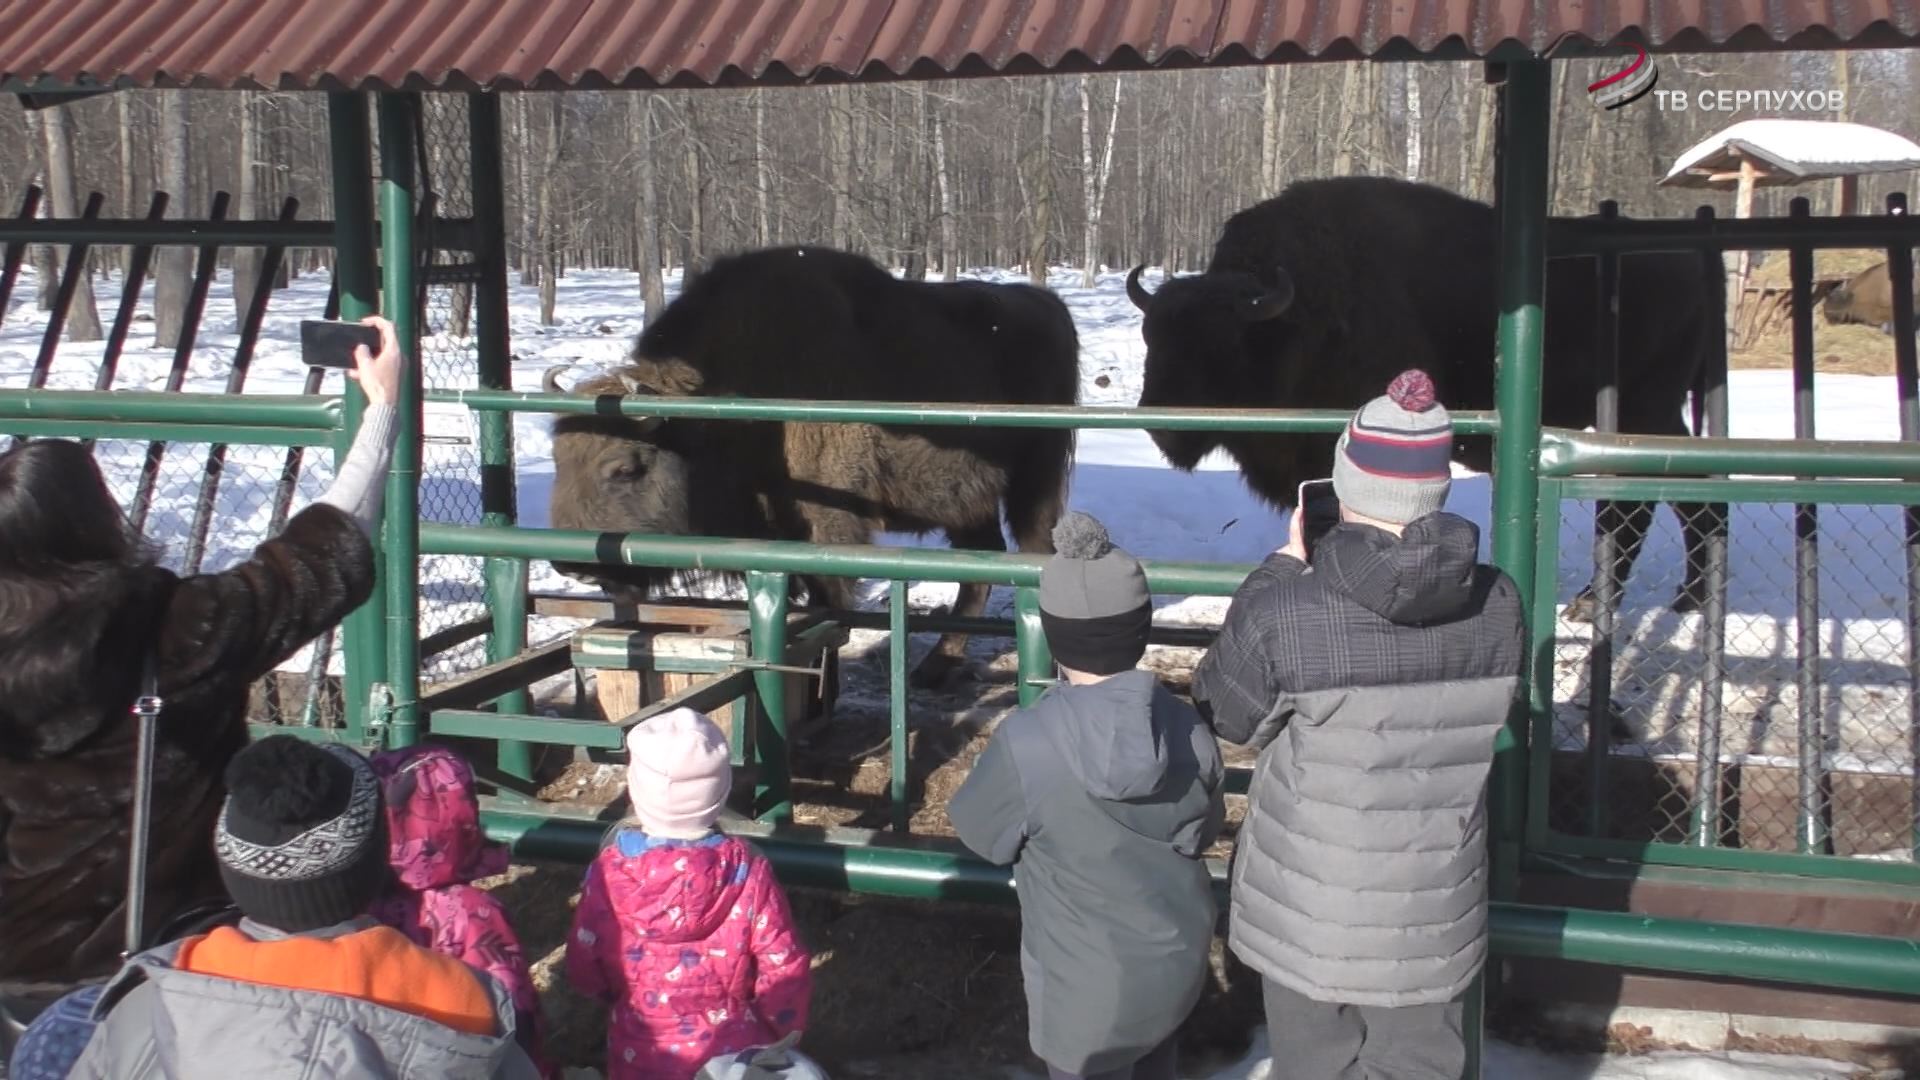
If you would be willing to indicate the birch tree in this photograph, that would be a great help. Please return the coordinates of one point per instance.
(1093, 182)
(173, 264)
(1416, 122)
(762, 186)
(653, 291)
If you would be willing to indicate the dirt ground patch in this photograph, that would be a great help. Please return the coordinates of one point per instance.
(1848, 349)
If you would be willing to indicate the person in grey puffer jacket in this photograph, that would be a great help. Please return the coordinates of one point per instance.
(1373, 674)
(1102, 794)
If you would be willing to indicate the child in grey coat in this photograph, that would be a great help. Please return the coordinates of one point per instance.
(1102, 795)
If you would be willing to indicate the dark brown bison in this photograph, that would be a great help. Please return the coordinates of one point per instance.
(1867, 298)
(1318, 297)
(811, 322)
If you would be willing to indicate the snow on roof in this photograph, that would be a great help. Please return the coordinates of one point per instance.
(1794, 151)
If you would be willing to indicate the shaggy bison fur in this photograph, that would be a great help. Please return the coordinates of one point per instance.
(814, 323)
(1866, 298)
(1318, 297)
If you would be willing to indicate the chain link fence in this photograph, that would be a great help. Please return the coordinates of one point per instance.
(1804, 699)
(452, 589)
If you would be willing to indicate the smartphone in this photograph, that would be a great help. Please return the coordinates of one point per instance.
(1322, 509)
(327, 343)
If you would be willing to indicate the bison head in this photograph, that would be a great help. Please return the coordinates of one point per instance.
(1199, 352)
(616, 474)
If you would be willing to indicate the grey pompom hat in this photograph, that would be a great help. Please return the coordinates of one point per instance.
(1094, 603)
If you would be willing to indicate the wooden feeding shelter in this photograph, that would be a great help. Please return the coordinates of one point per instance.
(1779, 153)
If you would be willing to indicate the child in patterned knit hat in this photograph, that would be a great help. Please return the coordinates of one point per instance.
(307, 980)
(1104, 795)
(682, 930)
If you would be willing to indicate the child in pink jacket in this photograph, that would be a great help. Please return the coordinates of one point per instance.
(437, 850)
(681, 930)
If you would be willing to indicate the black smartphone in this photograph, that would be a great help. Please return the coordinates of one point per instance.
(1322, 509)
(327, 343)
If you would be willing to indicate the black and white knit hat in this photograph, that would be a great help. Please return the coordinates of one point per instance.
(1094, 603)
(302, 841)
(1394, 462)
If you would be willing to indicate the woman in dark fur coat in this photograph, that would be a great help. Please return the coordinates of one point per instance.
(82, 604)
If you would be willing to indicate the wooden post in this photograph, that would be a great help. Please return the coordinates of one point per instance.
(1742, 208)
(1849, 197)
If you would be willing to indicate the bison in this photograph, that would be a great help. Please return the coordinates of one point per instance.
(811, 322)
(1867, 297)
(1317, 297)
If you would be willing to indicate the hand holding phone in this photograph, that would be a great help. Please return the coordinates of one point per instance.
(368, 350)
(329, 343)
(1317, 510)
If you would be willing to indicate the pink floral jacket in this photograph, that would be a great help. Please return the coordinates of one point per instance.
(692, 945)
(438, 850)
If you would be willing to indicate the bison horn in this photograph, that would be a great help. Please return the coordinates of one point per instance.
(1137, 292)
(1271, 304)
(633, 385)
(550, 382)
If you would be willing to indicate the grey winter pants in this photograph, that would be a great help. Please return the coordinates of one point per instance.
(1318, 1041)
(1157, 1065)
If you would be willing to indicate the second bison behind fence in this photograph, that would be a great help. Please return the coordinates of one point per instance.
(1319, 296)
(814, 323)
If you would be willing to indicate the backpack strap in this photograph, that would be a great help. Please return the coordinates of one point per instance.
(146, 712)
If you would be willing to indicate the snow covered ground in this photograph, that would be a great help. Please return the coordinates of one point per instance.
(1152, 510)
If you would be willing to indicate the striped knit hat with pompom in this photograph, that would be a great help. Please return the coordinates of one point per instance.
(1094, 603)
(1394, 462)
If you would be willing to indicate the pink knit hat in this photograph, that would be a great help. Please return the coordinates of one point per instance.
(679, 773)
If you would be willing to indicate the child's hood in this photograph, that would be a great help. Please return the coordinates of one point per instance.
(433, 820)
(1107, 733)
(1124, 741)
(676, 890)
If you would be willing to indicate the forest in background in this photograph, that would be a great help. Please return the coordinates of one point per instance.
(1033, 172)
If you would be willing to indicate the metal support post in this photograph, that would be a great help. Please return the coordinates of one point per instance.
(1810, 832)
(506, 578)
(1525, 113)
(898, 641)
(401, 536)
(363, 631)
(1906, 367)
(767, 631)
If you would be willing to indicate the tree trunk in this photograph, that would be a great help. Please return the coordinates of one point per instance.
(548, 233)
(1278, 81)
(1093, 180)
(247, 259)
(1041, 184)
(524, 188)
(1415, 121)
(696, 193)
(173, 265)
(949, 254)
(840, 164)
(653, 291)
(1350, 87)
(1484, 119)
(123, 112)
(83, 318)
(762, 183)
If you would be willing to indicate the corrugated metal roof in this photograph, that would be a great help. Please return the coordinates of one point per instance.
(506, 44)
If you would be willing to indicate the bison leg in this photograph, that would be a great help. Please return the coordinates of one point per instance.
(1037, 492)
(949, 657)
(1627, 522)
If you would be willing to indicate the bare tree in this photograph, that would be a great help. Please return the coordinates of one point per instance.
(762, 184)
(83, 317)
(173, 265)
(1040, 181)
(548, 241)
(1416, 122)
(247, 259)
(1093, 182)
(949, 255)
(653, 291)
